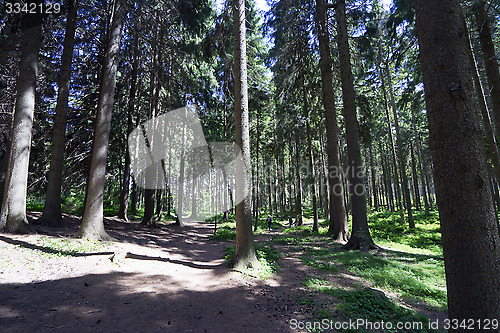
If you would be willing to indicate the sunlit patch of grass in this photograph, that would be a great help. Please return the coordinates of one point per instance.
(413, 276)
(364, 303)
(267, 256)
(386, 228)
(67, 247)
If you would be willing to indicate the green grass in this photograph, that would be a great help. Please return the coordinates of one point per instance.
(410, 265)
(64, 247)
(387, 230)
(268, 257)
(364, 303)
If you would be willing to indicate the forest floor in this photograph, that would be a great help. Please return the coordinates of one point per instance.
(165, 279)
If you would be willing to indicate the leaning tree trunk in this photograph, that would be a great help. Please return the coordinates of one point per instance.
(92, 226)
(52, 209)
(338, 222)
(471, 242)
(490, 60)
(13, 214)
(360, 235)
(244, 255)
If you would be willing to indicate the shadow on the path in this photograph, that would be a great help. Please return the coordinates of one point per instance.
(123, 302)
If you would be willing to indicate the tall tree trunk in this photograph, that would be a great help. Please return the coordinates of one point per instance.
(373, 177)
(311, 161)
(180, 180)
(490, 59)
(298, 194)
(123, 210)
(338, 221)
(416, 190)
(324, 177)
(92, 226)
(194, 212)
(483, 107)
(419, 156)
(471, 241)
(151, 174)
(52, 209)
(244, 255)
(133, 199)
(257, 180)
(360, 235)
(397, 187)
(401, 159)
(388, 184)
(13, 214)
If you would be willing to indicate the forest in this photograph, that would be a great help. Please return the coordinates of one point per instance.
(254, 166)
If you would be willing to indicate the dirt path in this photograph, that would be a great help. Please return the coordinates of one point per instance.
(173, 279)
(167, 279)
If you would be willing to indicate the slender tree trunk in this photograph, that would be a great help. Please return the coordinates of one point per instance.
(401, 159)
(488, 128)
(194, 212)
(416, 191)
(298, 199)
(326, 191)
(397, 187)
(311, 161)
(471, 241)
(180, 181)
(133, 199)
(52, 209)
(244, 255)
(374, 178)
(490, 60)
(360, 235)
(387, 178)
(92, 226)
(420, 161)
(338, 221)
(123, 210)
(257, 180)
(13, 214)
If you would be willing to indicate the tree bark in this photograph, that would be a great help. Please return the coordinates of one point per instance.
(52, 208)
(471, 241)
(92, 226)
(338, 222)
(244, 255)
(360, 235)
(13, 214)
